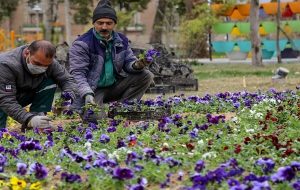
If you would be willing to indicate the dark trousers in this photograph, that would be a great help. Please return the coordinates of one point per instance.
(41, 99)
(129, 88)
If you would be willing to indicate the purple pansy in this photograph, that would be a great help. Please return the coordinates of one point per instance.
(267, 164)
(2, 160)
(88, 135)
(283, 173)
(70, 178)
(149, 153)
(199, 166)
(21, 168)
(39, 170)
(151, 54)
(123, 173)
(30, 145)
(261, 185)
(66, 95)
(104, 139)
(296, 185)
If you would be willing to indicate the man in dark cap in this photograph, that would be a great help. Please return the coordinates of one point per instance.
(104, 65)
(28, 75)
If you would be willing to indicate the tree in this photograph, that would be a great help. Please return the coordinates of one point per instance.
(126, 9)
(166, 18)
(7, 7)
(194, 31)
(158, 22)
(254, 34)
(83, 12)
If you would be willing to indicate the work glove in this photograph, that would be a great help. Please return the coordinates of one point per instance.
(141, 63)
(39, 122)
(89, 99)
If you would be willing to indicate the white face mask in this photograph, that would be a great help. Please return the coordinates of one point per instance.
(35, 69)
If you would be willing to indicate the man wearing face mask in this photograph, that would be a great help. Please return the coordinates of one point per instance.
(29, 75)
(104, 65)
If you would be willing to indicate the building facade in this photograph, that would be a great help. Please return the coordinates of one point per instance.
(27, 22)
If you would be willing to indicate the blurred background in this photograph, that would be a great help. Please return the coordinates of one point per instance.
(189, 28)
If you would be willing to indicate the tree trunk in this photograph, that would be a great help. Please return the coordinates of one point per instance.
(254, 34)
(156, 35)
(68, 23)
(188, 5)
(47, 33)
(278, 32)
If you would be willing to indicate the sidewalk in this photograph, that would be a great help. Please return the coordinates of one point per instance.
(247, 61)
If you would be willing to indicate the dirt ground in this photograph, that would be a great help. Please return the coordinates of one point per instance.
(215, 78)
(235, 84)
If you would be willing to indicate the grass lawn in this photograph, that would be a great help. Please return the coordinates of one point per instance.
(214, 78)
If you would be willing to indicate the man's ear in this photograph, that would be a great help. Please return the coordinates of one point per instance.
(26, 52)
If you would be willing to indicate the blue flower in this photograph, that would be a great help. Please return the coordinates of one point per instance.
(111, 129)
(104, 139)
(40, 171)
(2, 160)
(233, 182)
(66, 95)
(123, 173)
(267, 164)
(261, 185)
(30, 145)
(70, 178)
(149, 153)
(199, 166)
(283, 173)
(21, 168)
(149, 55)
(132, 157)
(88, 135)
(296, 185)
(198, 179)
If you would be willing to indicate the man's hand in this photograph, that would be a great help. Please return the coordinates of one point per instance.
(141, 63)
(39, 122)
(89, 99)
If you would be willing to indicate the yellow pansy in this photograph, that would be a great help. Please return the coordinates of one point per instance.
(6, 135)
(17, 184)
(36, 186)
(11, 122)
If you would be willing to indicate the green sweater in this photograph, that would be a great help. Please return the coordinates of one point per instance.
(107, 77)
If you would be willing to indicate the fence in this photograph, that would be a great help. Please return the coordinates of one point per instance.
(9, 40)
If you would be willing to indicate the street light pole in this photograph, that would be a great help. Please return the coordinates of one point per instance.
(37, 9)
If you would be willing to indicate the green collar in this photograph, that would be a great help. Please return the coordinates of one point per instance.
(99, 37)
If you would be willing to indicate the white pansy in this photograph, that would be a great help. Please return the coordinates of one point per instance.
(234, 119)
(258, 116)
(88, 145)
(200, 143)
(250, 130)
(209, 155)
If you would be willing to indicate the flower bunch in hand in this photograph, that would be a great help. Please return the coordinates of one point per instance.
(149, 55)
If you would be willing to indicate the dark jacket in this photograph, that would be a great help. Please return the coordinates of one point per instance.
(87, 59)
(15, 79)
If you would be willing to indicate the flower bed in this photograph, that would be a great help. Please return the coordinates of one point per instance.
(195, 147)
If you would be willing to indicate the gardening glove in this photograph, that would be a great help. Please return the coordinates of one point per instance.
(89, 99)
(39, 122)
(141, 63)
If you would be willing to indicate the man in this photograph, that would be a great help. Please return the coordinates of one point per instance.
(28, 75)
(104, 65)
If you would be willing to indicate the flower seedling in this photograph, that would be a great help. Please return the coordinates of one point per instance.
(149, 55)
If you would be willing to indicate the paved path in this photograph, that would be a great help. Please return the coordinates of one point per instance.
(247, 61)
